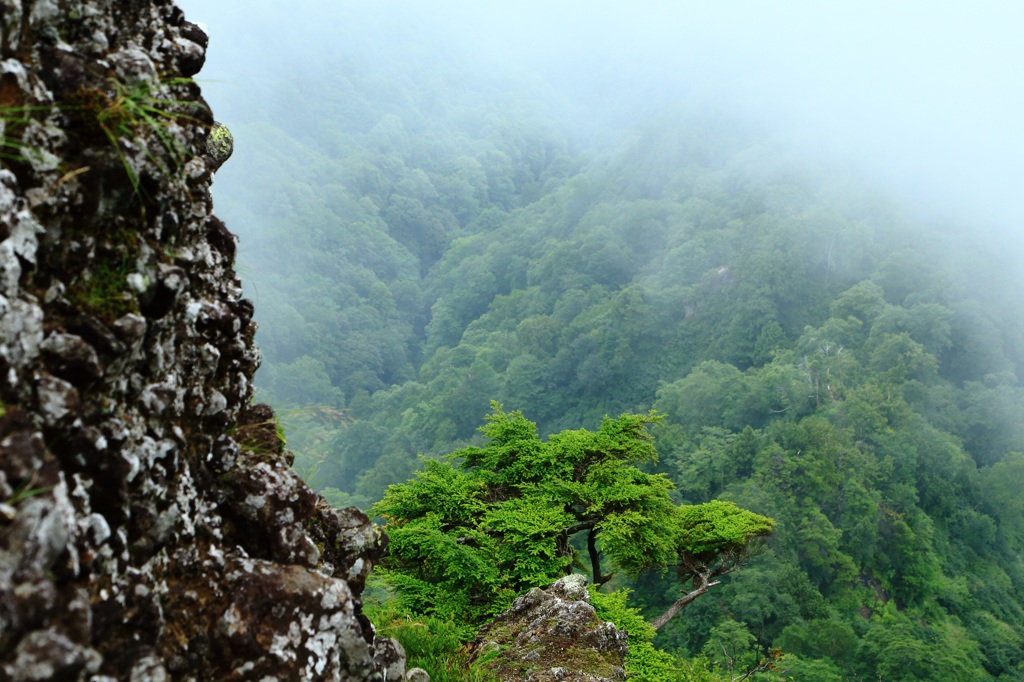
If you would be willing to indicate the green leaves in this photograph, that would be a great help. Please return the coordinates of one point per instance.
(524, 530)
(639, 540)
(719, 527)
(440, 490)
(500, 521)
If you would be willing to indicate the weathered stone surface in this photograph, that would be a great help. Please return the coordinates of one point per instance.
(389, 658)
(150, 525)
(417, 675)
(220, 145)
(553, 634)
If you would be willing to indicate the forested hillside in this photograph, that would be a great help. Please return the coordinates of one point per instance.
(423, 241)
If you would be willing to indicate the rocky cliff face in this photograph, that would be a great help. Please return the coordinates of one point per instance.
(150, 527)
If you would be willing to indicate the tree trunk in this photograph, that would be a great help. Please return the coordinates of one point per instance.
(595, 559)
(564, 549)
(703, 587)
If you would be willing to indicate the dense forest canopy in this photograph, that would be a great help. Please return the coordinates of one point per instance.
(432, 220)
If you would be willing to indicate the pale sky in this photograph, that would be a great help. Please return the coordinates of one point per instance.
(928, 97)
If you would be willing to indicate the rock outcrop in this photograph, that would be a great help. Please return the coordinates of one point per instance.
(150, 526)
(552, 634)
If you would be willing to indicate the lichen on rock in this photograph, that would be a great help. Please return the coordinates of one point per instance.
(220, 145)
(150, 525)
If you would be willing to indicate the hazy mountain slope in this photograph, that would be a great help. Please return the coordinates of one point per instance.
(425, 241)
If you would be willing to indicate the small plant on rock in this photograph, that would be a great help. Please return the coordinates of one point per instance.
(13, 122)
(125, 114)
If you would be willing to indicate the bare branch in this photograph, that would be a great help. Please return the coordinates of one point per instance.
(703, 585)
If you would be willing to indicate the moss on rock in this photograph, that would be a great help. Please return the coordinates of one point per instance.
(219, 145)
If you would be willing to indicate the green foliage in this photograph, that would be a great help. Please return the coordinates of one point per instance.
(643, 660)
(336, 498)
(820, 638)
(898, 652)
(720, 528)
(466, 539)
(1001, 494)
(434, 644)
(818, 670)
(731, 647)
(440, 561)
(103, 288)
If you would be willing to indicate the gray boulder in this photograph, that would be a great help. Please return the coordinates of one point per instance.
(552, 634)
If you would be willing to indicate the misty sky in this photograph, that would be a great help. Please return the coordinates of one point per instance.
(926, 97)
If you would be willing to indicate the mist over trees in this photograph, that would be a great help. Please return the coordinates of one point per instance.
(805, 258)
